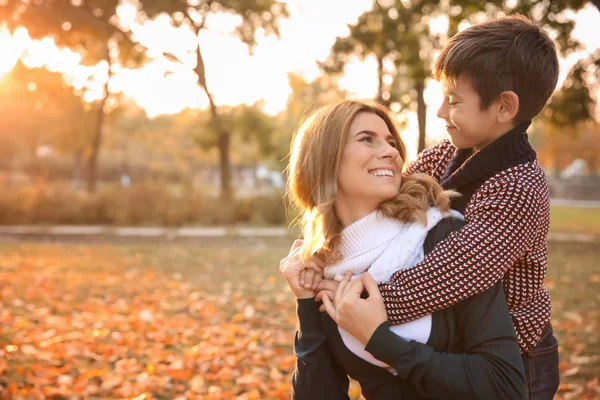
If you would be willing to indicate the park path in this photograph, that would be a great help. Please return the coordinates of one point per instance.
(221, 231)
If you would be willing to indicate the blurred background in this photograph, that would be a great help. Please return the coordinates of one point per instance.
(143, 147)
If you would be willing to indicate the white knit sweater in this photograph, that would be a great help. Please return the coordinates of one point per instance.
(383, 246)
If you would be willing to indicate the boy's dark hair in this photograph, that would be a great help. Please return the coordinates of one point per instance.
(508, 53)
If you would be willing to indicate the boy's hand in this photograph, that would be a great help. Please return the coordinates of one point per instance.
(291, 267)
(312, 274)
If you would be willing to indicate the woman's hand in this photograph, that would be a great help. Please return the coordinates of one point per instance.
(326, 287)
(291, 267)
(359, 317)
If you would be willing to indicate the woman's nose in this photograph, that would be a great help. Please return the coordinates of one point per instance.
(389, 151)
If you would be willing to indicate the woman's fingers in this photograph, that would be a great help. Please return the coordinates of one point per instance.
(356, 287)
(329, 307)
(341, 290)
(371, 285)
(328, 284)
(325, 293)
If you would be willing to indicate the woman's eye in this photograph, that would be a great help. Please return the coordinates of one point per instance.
(366, 139)
(393, 144)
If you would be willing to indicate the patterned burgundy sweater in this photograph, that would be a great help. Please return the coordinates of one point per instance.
(507, 221)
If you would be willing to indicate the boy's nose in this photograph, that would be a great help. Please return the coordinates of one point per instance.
(442, 112)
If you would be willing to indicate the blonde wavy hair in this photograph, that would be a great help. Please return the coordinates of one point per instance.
(315, 155)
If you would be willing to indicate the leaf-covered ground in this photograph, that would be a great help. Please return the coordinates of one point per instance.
(207, 319)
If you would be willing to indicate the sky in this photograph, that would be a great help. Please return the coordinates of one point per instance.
(234, 75)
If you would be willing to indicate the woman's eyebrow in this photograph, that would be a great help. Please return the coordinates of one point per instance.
(366, 132)
(372, 133)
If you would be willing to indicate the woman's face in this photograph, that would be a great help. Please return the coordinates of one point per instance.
(370, 168)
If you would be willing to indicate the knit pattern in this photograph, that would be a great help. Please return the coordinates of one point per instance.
(504, 238)
(382, 245)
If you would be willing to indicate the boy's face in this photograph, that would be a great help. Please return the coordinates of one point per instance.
(468, 125)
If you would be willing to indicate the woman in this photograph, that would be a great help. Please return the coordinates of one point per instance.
(345, 175)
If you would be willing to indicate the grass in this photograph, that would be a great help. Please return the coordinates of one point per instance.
(238, 284)
(575, 220)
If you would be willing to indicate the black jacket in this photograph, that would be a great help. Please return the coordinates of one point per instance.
(472, 352)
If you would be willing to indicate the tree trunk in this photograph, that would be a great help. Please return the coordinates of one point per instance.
(421, 114)
(77, 167)
(380, 80)
(92, 172)
(224, 136)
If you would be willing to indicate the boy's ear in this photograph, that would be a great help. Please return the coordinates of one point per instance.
(508, 106)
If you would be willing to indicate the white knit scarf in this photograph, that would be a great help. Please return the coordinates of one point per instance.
(383, 246)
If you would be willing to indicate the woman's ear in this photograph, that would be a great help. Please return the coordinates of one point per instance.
(508, 106)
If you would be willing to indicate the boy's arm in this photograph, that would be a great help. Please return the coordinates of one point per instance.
(499, 230)
(428, 160)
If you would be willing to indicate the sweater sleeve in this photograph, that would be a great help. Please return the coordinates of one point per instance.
(429, 160)
(500, 228)
(317, 375)
(490, 367)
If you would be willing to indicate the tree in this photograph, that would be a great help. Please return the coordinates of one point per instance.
(38, 109)
(397, 34)
(569, 113)
(304, 98)
(193, 15)
(89, 27)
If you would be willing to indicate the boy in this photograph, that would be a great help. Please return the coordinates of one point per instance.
(496, 77)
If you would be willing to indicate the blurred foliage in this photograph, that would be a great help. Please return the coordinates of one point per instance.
(397, 35)
(567, 128)
(142, 204)
(255, 15)
(90, 28)
(32, 98)
(558, 147)
(573, 102)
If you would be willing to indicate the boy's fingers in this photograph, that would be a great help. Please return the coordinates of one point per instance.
(309, 274)
(319, 262)
(312, 264)
(315, 283)
(302, 277)
(296, 246)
